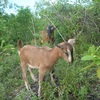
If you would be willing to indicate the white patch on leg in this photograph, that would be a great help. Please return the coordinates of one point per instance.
(51, 75)
(26, 85)
(33, 66)
(39, 90)
(32, 75)
(52, 79)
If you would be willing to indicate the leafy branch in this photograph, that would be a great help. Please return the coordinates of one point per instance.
(92, 55)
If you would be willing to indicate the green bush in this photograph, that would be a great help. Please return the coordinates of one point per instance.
(93, 55)
(2, 91)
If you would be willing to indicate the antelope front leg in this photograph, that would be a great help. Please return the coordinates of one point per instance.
(41, 76)
(51, 76)
(23, 65)
(32, 75)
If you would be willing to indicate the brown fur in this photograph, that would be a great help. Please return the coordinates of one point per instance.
(45, 37)
(42, 58)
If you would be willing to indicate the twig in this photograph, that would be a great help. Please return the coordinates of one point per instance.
(94, 24)
(33, 32)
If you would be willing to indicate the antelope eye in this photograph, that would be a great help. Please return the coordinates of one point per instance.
(66, 53)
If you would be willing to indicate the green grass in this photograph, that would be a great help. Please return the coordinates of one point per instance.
(73, 83)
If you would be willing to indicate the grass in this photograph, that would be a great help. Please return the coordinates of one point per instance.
(73, 84)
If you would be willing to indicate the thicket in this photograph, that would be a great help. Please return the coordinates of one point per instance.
(76, 82)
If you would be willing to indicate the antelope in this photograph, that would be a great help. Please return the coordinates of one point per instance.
(43, 58)
(48, 35)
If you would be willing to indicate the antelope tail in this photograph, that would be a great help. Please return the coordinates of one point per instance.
(19, 45)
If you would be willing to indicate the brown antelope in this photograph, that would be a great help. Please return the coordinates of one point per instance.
(48, 35)
(42, 58)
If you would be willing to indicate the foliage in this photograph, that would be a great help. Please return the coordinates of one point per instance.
(2, 91)
(93, 55)
(3, 4)
(79, 21)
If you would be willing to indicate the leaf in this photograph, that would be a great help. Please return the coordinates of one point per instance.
(98, 72)
(92, 50)
(2, 42)
(98, 63)
(88, 57)
(98, 48)
(91, 65)
(9, 46)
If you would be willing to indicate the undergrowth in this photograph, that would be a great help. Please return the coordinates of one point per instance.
(72, 83)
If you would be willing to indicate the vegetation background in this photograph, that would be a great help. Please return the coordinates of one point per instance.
(81, 20)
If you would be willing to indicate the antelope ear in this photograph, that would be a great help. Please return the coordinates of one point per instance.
(60, 46)
(71, 41)
(55, 27)
(52, 28)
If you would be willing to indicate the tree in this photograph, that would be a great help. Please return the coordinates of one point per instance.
(3, 4)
